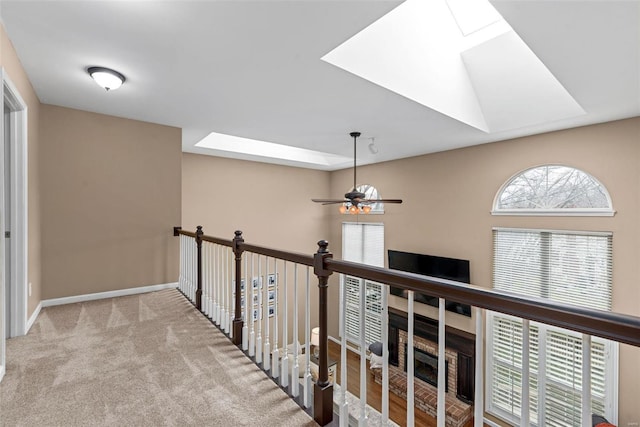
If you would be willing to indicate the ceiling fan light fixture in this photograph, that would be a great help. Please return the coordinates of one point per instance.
(106, 78)
(355, 201)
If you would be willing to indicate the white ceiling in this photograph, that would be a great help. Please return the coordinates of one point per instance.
(253, 69)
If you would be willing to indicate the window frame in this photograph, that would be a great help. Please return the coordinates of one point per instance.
(611, 362)
(496, 210)
(376, 310)
(611, 353)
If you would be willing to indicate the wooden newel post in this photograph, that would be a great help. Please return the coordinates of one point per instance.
(323, 389)
(199, 235)
(237, 320)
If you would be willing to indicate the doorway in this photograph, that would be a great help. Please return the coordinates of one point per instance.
(13, 216)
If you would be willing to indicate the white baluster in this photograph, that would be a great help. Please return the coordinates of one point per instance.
(586, 380)
(275, 371)
(232, 303)
(260, 302)
(224, 288)
(218, 284)
(524, 403)
(363, 355)
(181, 263)
(344, 405)
(478, 401)
(181, 274)
(385, 355)
(192, 268)
(295, 384)
(245, 324)
(442, 415)
(250, 318)
(213, 268)
(188, 267)
(284, 377)
(307, 327)
(206, 278)
(410, 363)
(213, 297)
(266, 365)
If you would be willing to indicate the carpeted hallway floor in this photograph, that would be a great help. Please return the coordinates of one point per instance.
(142, 360)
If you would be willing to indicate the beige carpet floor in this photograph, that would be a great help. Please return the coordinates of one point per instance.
(142, 360)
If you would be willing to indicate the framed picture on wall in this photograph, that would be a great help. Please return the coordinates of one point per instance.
(272, 310)
(272, 280)
(256, 282)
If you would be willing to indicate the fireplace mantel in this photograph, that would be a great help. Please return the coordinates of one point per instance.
(463, 343)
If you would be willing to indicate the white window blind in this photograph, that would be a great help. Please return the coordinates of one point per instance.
(363, 243)
(572, 268)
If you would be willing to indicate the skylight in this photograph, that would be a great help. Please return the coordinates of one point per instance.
(460, 58)
(473, 15)
(253, 147)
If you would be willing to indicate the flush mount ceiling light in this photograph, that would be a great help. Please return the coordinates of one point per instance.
(106, 78)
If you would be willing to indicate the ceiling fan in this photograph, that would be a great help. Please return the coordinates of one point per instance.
(355, 201)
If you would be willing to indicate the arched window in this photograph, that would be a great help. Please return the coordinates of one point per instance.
(553, 190)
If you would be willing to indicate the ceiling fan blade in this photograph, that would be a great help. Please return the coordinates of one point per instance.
(335, 202)
(328, 201)
(382, 200)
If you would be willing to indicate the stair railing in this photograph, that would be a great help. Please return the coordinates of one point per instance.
(219, 286)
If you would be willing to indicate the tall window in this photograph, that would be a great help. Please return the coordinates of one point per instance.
(363, 243)
(567, 267)
(562, 266)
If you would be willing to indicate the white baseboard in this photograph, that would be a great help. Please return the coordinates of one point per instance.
(33, 317)
(108, 294)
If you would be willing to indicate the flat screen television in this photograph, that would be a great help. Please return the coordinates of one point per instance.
(434, 266)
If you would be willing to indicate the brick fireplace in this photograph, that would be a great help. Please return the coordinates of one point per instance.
(459, 350)
(422, 347)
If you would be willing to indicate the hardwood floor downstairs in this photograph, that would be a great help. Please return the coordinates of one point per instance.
(397, 405)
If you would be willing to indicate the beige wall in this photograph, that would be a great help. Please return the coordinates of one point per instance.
(13, 68)
(448, 197)
(271, 204)
(111, 193)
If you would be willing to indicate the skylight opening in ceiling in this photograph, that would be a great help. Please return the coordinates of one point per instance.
(460, 58)
(253, 147)
(473, 15)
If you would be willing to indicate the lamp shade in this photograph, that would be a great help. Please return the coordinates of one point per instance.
(315, 336)
(106, 78)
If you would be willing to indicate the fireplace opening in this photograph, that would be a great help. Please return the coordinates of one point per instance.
(425, 367)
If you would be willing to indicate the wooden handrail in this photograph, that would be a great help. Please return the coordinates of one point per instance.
(276, 253)
(615, 326)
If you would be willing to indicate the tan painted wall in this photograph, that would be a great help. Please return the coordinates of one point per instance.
(269, 203)
(448, 197)
(111, 193)
(12, 66)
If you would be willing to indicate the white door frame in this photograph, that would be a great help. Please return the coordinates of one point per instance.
(19, 173)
